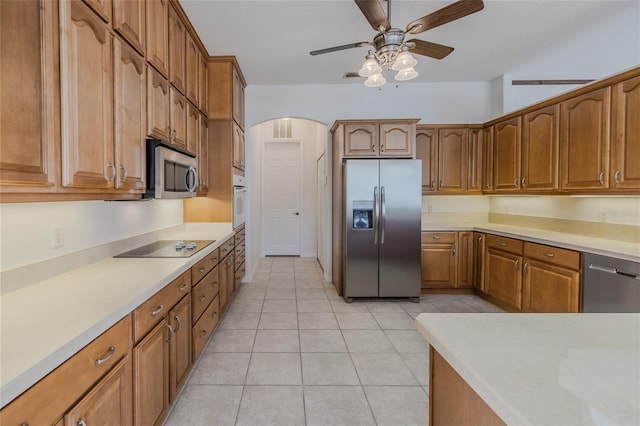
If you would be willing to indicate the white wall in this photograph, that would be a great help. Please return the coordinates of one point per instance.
(26, 227)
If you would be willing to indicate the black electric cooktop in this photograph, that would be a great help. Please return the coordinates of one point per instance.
(168, 248)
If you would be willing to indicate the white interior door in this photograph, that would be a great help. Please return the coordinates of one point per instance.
(281, 201)
(321, 182)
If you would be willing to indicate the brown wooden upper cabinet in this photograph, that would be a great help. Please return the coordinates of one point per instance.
(584, 141)
(506, 155)
(203, 86)
(101, 7)
(178, 118)
(226, 90)
(427, 151)
(193, 128)
(27, 31)
(158, 106)
(157, 19)
(487, 159)
(129, 21)
(238, 147)
(475, 161)
(376, 139)
(177, 50)
(625, 135)
(192, 64)
(540, 141)
(452, 161)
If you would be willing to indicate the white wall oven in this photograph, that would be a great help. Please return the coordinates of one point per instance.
(239, 200)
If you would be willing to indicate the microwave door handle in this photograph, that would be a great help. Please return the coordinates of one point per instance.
(191, 171)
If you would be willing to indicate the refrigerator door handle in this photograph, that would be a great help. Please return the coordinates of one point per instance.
(383, 209)
(375, 215)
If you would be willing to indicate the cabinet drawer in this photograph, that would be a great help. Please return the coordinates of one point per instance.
(226, 247)
(555, 255)
(239, 237)
(505, 244)
(204, 292)
(205, 326)
(438, 237)
(240, 270)
(203, 267)
(239, 258)
(51, 397)
(157, 306)
(239, 250)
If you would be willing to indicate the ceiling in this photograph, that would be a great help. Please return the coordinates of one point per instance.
(272, 39)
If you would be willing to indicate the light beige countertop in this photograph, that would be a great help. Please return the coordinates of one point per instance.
(45, 323)
(545, 369)
(601, 246)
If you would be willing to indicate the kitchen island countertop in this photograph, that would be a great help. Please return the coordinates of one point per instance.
(44, 324)
(545, 369)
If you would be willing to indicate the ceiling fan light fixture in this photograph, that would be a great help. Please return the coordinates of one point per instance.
(370, 67)
(375, 80)
(406, 74)
(404, 60)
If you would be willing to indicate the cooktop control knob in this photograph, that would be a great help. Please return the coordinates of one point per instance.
(191, 245)
(180, 245)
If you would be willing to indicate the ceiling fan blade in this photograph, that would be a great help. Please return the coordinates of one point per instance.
(432, 50)
(373, 11)
(454, 11)
(336, 48)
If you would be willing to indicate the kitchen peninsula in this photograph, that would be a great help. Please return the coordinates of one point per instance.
(533, 369)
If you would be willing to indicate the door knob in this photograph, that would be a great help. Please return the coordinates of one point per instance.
(297, 213)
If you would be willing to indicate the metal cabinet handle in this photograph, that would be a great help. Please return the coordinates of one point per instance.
(373, 147)
(481, 239)
(113, 171)
(436, 237)
(202, 333)
(549, 254)
(170, 329)
(201, 270)
(503, 244)
(158, 310)
(202, 298)
(603, 269)
(526, 267)
(433, 184)
(124, 175)
(441, 185)
(104, 358)
(515, 182)
(517, 264)
(601, 178)
(178, 322)
(184, 287)
(616, 176)
(214, 314)
(81, 422)
(453, 250)
(524, 182)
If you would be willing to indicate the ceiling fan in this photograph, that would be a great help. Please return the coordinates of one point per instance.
(392, 50)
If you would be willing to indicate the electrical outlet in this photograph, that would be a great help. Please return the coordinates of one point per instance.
(603, 215)
(57, 236)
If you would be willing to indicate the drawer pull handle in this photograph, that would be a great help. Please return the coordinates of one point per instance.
(436, 237)
(158, 310)
(81, 422)
(549, 254)
(201, 270)
(503, 244)
(224, 250)
(184, 287)
(214, 314)
(178, 324)
(107, 356)
(202, 333)
(203, 298)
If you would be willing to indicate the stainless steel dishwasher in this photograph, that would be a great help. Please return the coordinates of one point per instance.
(610, 284)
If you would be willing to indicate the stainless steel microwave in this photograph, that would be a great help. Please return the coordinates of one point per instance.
(171, 173)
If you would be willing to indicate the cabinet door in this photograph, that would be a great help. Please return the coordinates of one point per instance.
(180, 346)
(158, 106)
(464, 256)
(550, 288)
(397, 140)
(177, 52)
(478, 261)
(109, 402)
(193, 128)
(87, 98)
(238, 147)
(158, 35)
(360, 140)
(584, 141)
(625, 135)
(452, 164)
(225, 283)
(130, 111)
(192, 64)
(129, 22)
(506, 155)
(238, 98)
(151, 376)
(474, 161)
(101, 7)
(487, 173)
(540, 141)
(231, 278)
(30, 143)
(203, 155)
(178, 114)
(427, 151)
(438, 259)
(503, 277)
(203, 84)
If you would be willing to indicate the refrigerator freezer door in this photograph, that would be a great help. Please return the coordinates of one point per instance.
(361, 201)
(400, 224)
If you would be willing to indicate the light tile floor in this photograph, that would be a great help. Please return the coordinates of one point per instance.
(290, 351)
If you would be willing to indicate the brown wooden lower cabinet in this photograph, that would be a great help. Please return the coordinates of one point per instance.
(447, 260)
(203, 329)
(503, 271)
(451, 399)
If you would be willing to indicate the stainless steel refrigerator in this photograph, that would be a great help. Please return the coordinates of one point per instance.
(382, 206)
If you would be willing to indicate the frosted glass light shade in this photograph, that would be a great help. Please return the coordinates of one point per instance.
(375, 80)
(370, 67)
(406, 74)
(405, 60)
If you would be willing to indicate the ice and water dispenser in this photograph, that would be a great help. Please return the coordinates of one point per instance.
(362, 214)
